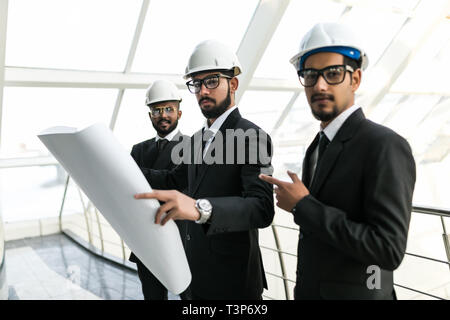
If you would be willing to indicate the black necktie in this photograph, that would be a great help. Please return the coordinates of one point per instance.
(161, 143)
(323, 144)
(206, 135)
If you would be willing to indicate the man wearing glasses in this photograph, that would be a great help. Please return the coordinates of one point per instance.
(163, 100)
(353, 204)
(226, 203)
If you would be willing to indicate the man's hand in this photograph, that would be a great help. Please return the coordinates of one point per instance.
(177, 205)
(287, 194)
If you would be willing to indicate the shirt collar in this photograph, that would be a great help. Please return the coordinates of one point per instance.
(333, 127)
(219, 121)
(169, 137)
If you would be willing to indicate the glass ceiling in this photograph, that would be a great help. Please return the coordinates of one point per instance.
(126, 44)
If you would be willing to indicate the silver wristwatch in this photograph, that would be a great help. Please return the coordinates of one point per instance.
(205, 208)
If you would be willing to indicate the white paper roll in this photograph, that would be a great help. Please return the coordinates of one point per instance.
(110, 178)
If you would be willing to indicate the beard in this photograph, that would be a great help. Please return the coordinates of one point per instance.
(319, 113)
(217, 109)
(163, 131)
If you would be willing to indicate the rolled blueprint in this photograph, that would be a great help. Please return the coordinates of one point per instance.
(110, 178)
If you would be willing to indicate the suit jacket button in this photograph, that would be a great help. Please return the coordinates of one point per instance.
(188, 237)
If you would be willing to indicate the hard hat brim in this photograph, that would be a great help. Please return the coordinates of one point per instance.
(295, 60)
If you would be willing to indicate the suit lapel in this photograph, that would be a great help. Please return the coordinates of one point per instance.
(165, 156)
(150, 154)
(329, 158)
(193, 169)
(326, 164)
(229, 123)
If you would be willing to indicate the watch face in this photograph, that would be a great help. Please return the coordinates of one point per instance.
(204, 204)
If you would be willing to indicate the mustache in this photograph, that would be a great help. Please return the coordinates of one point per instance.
(320, 96)
(164, 120)
(207, 99)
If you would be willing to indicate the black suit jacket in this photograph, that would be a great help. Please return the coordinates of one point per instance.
(224, 254)
(146, 155)
(357, 214)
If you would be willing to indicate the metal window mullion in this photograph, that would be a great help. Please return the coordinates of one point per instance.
(100, 233)
(85, 212)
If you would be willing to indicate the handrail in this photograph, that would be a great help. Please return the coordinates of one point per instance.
(432, 210)
(280, 257)
(415, 209)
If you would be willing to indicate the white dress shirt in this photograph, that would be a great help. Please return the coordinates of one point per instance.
(169, 137)
(330, 131)
(216, 126)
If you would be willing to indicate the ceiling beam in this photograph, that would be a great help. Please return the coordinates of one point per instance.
(56, 78)
(36, 77)
(414, 33)
(260, 30)
(287, 109)
(3, 25)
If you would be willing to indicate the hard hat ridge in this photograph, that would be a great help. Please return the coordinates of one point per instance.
(330, 37)
(162, 90)
(212, 55)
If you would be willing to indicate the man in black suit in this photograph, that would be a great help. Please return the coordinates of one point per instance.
(226, 203)
(353, 204)
(163, 99)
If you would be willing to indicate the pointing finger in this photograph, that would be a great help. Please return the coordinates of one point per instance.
(156, 194)
(293, 176)
(270, 180)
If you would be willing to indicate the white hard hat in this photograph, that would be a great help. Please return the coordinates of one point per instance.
(330, 37)
(212, 55)
(162, 90)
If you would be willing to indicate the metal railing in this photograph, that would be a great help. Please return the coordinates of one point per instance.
(88, 208)
(416, 209)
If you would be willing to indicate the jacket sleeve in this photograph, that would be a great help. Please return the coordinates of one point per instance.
(135, 153)
(167, 179)
(254, 207)
(381, 235)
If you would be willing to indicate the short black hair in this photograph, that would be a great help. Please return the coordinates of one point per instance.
(355, 64)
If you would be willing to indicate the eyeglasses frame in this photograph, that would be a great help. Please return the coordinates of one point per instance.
(321, 71)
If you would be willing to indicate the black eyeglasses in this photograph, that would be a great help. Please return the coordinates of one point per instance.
(157, 112)
(210, 82)
(331, 74)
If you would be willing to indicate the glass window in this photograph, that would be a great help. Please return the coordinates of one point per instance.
(298, 18)
(28, 111)
(173, 28)
(428, 69)
(407, 115)
(264, 107)
(375, 28)
(41, 187)
(71, 34)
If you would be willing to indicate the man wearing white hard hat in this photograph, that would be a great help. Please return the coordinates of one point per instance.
(163, 100)
(226, 203)
(353, 203)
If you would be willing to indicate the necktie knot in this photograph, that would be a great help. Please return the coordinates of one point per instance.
(161, 143)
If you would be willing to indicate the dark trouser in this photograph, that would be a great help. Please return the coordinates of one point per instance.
(151, 287)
